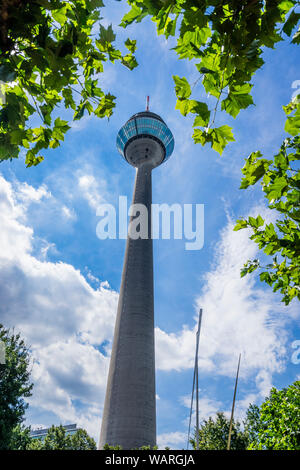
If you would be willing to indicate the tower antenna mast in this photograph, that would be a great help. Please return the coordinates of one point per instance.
(147, 103)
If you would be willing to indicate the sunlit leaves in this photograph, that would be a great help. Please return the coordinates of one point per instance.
(278, 423)
(280, 181)
(227, 40)
(182, 87)
(218, 137)
(291, 22)
(254, 168)
(292, 124)
(188, 45)
(213, 434)
(56, 69)
(106, 105)
(131, 45)
(238, 98)
(15, 384)
(129, 61)
(60, 15)
(107, 36)
(135, 14)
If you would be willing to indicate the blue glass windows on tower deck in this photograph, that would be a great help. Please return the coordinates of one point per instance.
(142, 124)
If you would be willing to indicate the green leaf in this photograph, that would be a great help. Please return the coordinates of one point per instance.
(184, 106)
(79, 111)
(131, 45)
(240, 224)
(32, 160)
(237, 99)
(291, 22)
(277, 188)
(265, 277)
(182, 87)
(17, 136)
(7, 72)
(203, 114)
(217, 137)
(254, 169)
(92, 4)
(60, 15)
(129, 61)
(221, 136)
(135, 14)
(107, 36)
(260, 221)
(61, 124)
(292, 125)
(256, 222)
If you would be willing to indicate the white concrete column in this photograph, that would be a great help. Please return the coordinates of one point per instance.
(129, 416)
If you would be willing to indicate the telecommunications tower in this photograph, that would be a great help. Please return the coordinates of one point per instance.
(129, 416)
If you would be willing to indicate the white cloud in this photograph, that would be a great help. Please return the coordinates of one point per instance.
(207, 406)
(68, 213)
(238, 316)
(67, 373)
(177, 351)
(29, 194)
(67, 323)
(62, 318)
(174, 440)
(91, 189)
(242, 405)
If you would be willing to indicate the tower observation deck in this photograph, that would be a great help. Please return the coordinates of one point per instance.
(129, 415)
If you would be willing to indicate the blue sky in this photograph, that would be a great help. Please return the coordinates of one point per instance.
(60, 283)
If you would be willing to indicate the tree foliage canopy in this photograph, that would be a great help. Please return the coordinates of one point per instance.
(213, 434)
(50, 59)
(15, 385)
(226, 39)
(280, 241)
(58, 439)
(20, 438)
(274, 425)
(279, 418)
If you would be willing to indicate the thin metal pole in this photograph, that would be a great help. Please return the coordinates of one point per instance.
(191, 410)
(196, 381)
(197, 408)
(233, 404)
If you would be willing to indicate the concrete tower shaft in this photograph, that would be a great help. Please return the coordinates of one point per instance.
(129, 417)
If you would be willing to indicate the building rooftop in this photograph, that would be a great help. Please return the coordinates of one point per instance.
(42, 432)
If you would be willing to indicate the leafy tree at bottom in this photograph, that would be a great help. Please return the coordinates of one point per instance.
(20, 438)
(274, 425)
(58, 439)
(279, 420)
(15, 385)
(213, 434)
